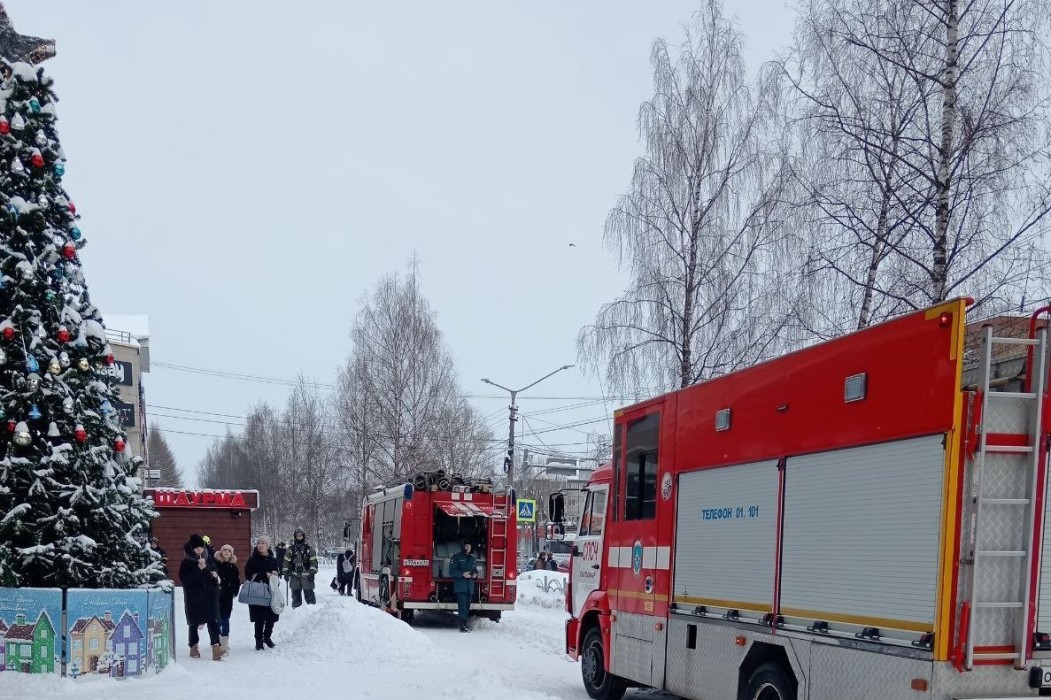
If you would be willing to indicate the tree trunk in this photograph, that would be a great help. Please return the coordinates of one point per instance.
(944, 182)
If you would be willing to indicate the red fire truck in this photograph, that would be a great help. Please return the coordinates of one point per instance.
(409, 532)
(850, 521)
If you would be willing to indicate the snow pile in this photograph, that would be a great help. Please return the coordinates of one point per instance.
(339, 648)
(544, 588)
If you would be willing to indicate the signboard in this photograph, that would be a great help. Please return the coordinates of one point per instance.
(30, 625)
(199, 499)
(127, 413)
(526, 510)
(153, 473)
(122, 371)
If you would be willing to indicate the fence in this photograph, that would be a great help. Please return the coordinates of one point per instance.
(79, 632)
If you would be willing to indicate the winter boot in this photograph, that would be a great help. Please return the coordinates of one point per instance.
(259, 636)
(226, 645)
(195, 653)
(268, 629)
(217, 652)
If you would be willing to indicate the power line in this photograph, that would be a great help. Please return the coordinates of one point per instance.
(225, 374)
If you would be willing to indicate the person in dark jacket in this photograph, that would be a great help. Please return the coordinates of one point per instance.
(279, 553)
(262, 567)
(345, 571)
(200, 583)
(300, 567)
(155, 545)
(463, 568)
(229, 584)
(552, 563)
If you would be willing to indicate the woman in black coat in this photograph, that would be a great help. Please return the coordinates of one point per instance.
(200, 583)
(229, 583)
(262, 567)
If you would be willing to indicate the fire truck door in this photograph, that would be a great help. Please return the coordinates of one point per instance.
(587, 551)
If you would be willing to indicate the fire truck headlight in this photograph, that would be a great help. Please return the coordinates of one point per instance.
(511, 576)
(405, 572)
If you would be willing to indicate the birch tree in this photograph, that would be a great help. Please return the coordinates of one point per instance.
(400, 408)
(931, 119)
(699, 224)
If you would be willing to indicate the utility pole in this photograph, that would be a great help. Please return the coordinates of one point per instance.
(509, 459)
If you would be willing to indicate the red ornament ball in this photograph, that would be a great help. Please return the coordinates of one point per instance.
(63, 335)
(69, 251)
(9, 333)
(80, 434)
(11, 426)
(37, 160)
(109, 359)
(118, 445)
(73, 207)
(5, 126)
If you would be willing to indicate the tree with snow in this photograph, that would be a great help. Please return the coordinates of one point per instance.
(160, 457)
(71, 508)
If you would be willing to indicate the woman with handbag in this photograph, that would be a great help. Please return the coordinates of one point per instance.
(229, 583)
(261, 567)
(200, 584)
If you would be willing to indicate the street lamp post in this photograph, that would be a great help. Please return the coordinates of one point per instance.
(509, 459)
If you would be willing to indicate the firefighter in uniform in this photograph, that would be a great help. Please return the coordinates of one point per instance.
(463, 568)
(300, 567)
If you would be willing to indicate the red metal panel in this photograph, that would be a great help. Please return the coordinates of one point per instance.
(795, 404)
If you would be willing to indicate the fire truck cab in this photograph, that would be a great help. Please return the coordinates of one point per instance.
(409, 531)
(850, 521)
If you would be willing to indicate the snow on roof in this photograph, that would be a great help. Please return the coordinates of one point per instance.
(138, 326)
(21, 632)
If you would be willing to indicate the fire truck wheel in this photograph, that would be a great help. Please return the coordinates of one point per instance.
(598, 682)
(770, 682)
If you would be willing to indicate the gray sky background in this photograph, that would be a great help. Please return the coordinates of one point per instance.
(246, 170)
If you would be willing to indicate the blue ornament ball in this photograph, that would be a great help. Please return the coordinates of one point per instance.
(75, 233)
(34, 104)
(60, 169)
(32, 365)
(34, 413)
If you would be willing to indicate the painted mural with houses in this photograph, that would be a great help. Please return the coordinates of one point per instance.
(116, 633)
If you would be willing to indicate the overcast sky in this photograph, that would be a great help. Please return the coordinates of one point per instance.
(247, 169)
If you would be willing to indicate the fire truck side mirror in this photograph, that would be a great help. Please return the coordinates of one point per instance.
(556, 507)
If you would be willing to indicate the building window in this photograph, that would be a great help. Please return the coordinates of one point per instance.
(78, 646)
(94, 644)
(26, 651)
(640, 466)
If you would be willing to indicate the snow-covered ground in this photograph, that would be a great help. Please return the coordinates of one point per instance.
(339, 648)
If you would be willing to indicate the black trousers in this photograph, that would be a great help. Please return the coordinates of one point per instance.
(463, 603)
(263, 630)
(213, 634)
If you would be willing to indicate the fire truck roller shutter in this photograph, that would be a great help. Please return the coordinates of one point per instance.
(726, 546)
(861, 537)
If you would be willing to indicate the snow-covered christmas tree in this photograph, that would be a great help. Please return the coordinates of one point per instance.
(71, 509)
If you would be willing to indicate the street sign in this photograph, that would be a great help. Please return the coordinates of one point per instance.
(153, 473)
(526, 510)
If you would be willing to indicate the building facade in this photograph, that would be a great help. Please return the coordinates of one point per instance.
(129, 340)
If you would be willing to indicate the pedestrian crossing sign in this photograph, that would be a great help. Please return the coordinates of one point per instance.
(526, 510)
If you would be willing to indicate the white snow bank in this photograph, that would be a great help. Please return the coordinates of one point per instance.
(544, 588)
(342, 649)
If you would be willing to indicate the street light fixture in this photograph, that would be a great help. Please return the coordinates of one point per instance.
(509, 459)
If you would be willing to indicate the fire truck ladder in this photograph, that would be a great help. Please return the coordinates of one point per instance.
(498, 552)
(1003, 493)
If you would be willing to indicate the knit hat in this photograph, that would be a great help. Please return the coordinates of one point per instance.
(196, 541)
